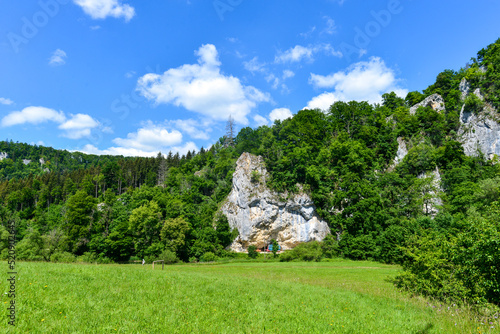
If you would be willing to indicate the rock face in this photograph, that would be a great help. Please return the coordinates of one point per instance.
(261, 215)
(402, 151)
(435, 101)
(464, 88)
(479, 132)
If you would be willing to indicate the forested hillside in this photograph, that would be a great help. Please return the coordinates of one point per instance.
(435, 211)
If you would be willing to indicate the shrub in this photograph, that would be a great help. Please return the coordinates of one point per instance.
(252, 252)
(308, 251)
(330, 247)
(255, 176)
(193, 259)
(208, 257)
(473, 104)
(168, 256)
(64, 257)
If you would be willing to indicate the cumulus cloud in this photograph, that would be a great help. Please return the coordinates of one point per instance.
(305, 53)
(322, 101)
(363, 81)
(133, 152)
(193, 128)
(280, 114)
(33, 115)
(260, 120)
(76, 127)
(101, 9)
(5, 101)
(79, 126)
(58, 58)
(150, 138)
(203, 89)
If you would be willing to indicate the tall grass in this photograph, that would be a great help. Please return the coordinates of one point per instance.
(332, 297)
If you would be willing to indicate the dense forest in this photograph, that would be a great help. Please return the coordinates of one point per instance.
(446, 235)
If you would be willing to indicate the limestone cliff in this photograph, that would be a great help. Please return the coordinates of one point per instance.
(260, 214)
(479, 131)
(435, 101)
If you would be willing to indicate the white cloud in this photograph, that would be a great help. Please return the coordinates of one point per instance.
(76, 127)
(33, 115)
(134, 152)
(5, 101)
(280, 114)
(101, 9)
(288, 74)
(97, 27)
(322, 101)
(58, 58)
(299, 53)
(260, 120)
(363, 81)
(150, 137)
(295, 54)
(192, 128)
(79, 126)
(203, 89)
(254, 65)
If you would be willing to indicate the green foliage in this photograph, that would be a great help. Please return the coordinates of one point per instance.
(168, 256)
(252, 252)
(309, 251)
(275, 247)
(413, 98)
(208, 257)
(473, 104)
(174, 233)
(462, 267)
(255, 177)
(330, 247)
(64, 257)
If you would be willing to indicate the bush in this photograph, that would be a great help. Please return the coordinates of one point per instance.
(458, 268)
(473, 104)
(252, 252)
(168, 256)
(330, 247)
(193, 259)
(64, 257)
(309, 251)
(208, 257)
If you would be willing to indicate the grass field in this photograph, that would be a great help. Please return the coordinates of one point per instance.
(325, 297)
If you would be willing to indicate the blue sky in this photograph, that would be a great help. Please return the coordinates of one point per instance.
(137, 77)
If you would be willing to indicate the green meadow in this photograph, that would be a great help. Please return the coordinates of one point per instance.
(234, 297)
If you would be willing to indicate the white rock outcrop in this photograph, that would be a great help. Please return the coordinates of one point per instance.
(479, 132)
(464, 88)
(3, 155)
(435, 101)
(402, 151)
(260, 214)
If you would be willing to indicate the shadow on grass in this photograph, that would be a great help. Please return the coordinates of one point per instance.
(427, 328)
